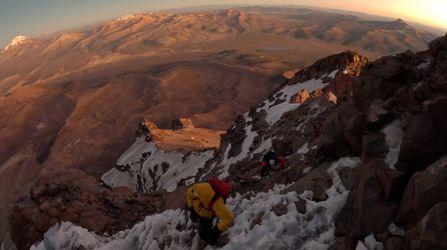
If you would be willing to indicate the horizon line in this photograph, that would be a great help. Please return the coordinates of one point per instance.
(433, 27)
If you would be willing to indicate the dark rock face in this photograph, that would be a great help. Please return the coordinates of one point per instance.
(71, 195)
(421, 145)
(431, 231)
(340, 134)
(425, 189)
(408, 87)
(367, 209)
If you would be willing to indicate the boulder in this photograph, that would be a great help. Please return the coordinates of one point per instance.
(394, 243)
(317, 181)
(71, 195)
(438, 113)
(330, 97)
(376, 116)
(431, 230)
(422, 143)
(393, 182)
(341, 134)
(425, 189)
(301, 96)
(374, 146)
(423, 92)
(367, 210)
(381, 80)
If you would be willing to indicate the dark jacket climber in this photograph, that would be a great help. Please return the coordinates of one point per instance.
(271, 162)
(206, 201)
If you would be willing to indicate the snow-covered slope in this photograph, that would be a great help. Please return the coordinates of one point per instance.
(273, 110)
(145, 168)
(16, 41)
(290, 116)
(265, 220)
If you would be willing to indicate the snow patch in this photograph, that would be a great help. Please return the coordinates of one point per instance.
(370, 243)
(41, 126)
(395, 230)
(264, 147)
(67, 236)
(292, 230)
(360, 246)
(307, 170)
(333, 73)
(304, 149)
(16, 41)
(155, 232)
(275, 111)
(126, 18)
(145, 166)
(425, 65)
(394, 135)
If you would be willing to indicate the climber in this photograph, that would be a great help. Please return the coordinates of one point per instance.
(206, 201)
(271, 162)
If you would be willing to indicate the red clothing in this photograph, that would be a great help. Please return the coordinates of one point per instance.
(281, 165)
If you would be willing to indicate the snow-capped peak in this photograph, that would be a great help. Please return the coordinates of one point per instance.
(125, 18)
(16, 41)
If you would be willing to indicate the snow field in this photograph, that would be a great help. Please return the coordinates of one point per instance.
(180, 167)
(275, 111)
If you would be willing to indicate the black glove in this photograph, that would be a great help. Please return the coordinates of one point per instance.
(193, 215)
(214, 235)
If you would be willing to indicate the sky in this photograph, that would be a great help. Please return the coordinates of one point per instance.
(35, 17)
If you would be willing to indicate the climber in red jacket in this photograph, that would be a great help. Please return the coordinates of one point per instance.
(271, 162)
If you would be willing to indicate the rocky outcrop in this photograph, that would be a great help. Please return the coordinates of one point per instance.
(431, 231)
(182, 136)
(297, 122)
(425, 189)
(367, 209)
(401, 126)
(182, 123)
(71, 195)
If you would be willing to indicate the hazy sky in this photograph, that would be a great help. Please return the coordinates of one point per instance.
(34, 17)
